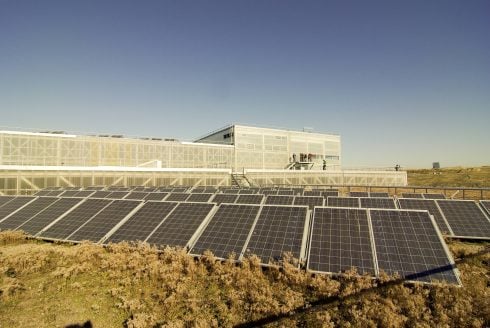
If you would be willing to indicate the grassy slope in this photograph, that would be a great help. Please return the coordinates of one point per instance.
(451, 177)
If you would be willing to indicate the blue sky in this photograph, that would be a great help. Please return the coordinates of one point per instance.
(403, 82)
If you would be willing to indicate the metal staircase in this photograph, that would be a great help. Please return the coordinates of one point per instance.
(239, 180)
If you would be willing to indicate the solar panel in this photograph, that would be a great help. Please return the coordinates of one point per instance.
(136, 195)
(330, 193)
(247, 191)
(343, 202)
(427, 205)
(202, 198)
(359, 194)
(117, 195)
(369, 202)
(249, 199)
(14, 205)
(224, 198)
(310, 201)
(181, 225)
(279, 229)
(5, 199)
(312, 193)
(279, 200)
(411, 195)
(77, 217)
(379, 194)
(285, 192)
(92, 188)
(84, 193)
(179, 189)
(100, 194)
(165, 189)
(486, 205)
(43, 192)
(99, 225)
(141, 224)
(227, 231)
(138, 188)
(156, 196)
(231, 191)
(340, 240)
(465, 218)
(16, 219)
(408, 243)
(434, 196)
(69, 193)
(177, 197)
(270, 193)
(55, 193)
(48, 215)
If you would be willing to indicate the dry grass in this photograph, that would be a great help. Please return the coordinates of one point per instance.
(451, 177)
(52, 285)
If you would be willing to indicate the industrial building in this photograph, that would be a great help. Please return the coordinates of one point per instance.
(261, 156)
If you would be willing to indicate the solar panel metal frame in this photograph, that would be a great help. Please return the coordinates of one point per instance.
(199, 229)
(304, 239)
(371, 240)
(454, 234)
(440, 238)
(239, 255)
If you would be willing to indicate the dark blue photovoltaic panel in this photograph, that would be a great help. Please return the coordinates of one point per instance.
(340, 240)
(427, 205)
(343, 202)
(98, 226)
(141, 224)
(227, 231)
(279, 229)
(409, 244)
(179, 227)
(310, 201)
(224, 198)
(465, 218)
(76, 218)
(5, 199)
(373, 202)
(279, 200)
(27, 212)
(14, 205)
(48, 215)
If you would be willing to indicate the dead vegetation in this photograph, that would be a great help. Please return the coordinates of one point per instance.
(478, 177)
(53, 285)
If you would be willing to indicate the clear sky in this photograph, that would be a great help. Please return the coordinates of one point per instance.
(403, 82)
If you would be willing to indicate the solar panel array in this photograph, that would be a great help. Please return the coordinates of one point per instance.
(370, 235)
(486, 205)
